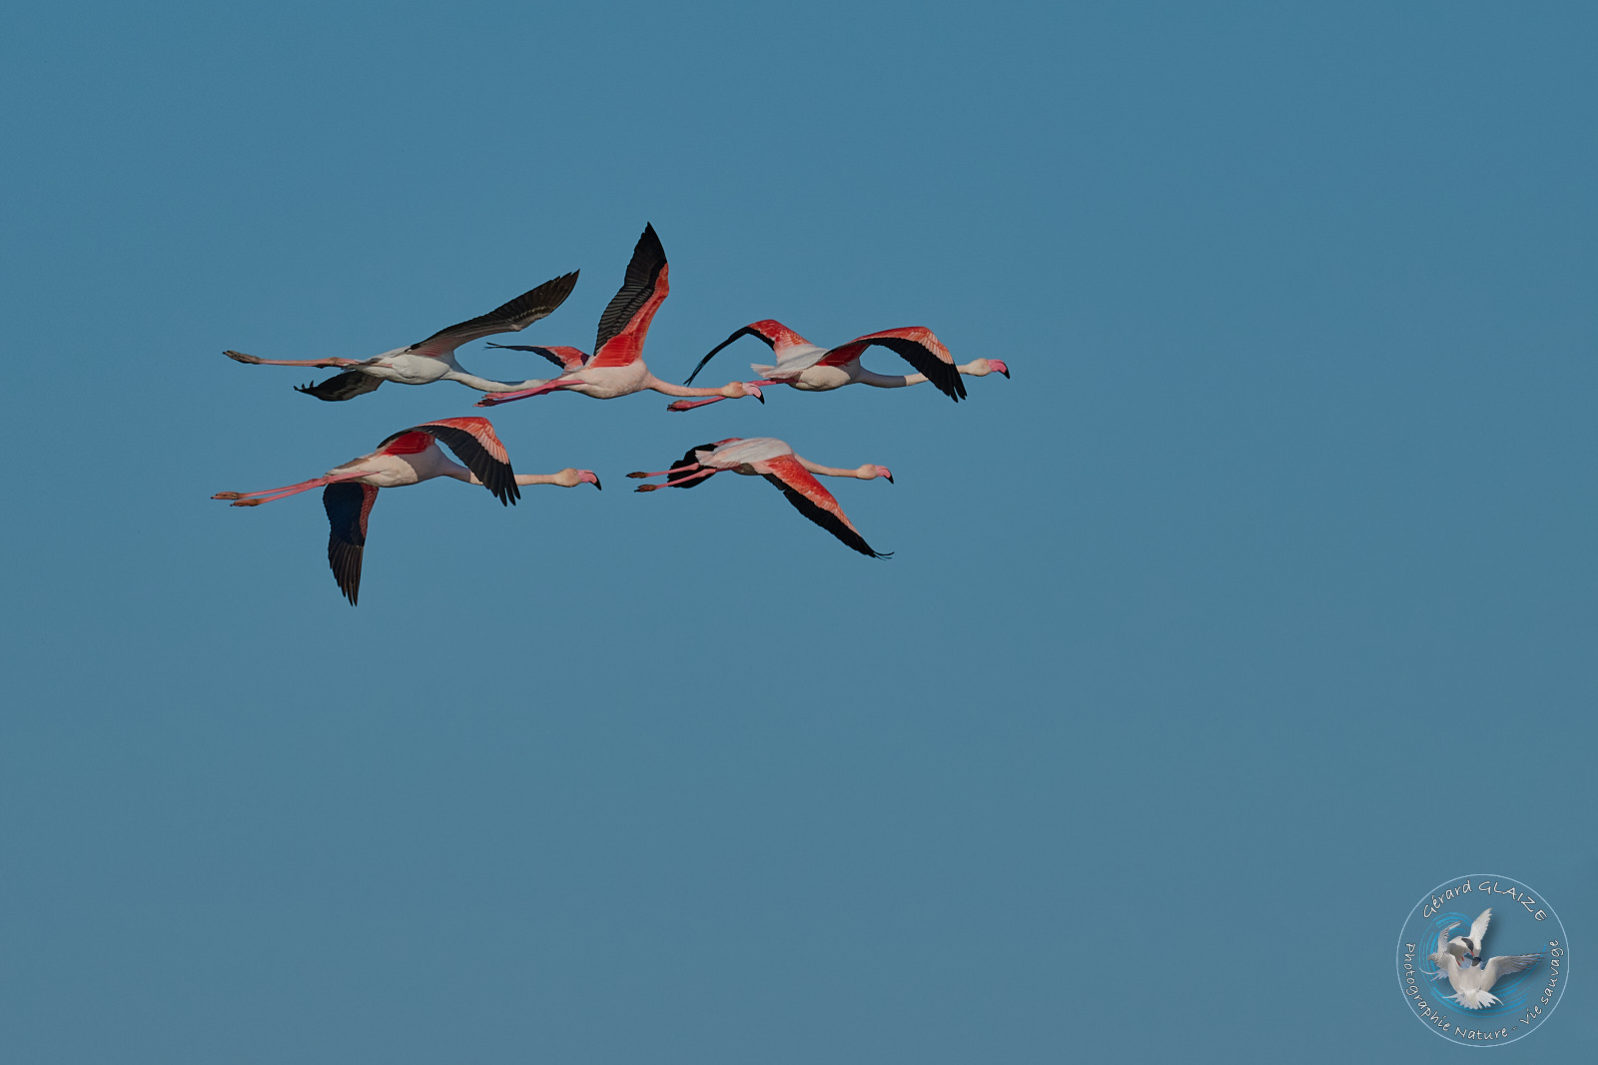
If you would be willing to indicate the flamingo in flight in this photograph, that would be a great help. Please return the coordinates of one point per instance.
(407, 457)
(616, 367)
(812, 368)
(432, 359)
(775, 461)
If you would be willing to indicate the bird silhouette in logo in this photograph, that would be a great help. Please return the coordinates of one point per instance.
(1456, 961)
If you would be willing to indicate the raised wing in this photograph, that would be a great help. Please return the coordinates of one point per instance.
(343, 386)
(1478, 928)
(477, 446)
(518, 314)
(916, 345)
(767, 329)
(348, 505)
(565, 357)
(1504, 965)
(1442, 937)
(815, 502)
(625, 323)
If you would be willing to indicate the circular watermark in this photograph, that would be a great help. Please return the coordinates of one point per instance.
(1482, 960)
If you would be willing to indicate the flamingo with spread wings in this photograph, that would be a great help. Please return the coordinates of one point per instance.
(409, 456)
(776, 462)
(616, 367)
(813, 368)
(432, 359)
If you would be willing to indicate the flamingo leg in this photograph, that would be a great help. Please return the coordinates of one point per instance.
(665, 473)
(269, 495)
(494, 399)
(256, 360)
(699, 475)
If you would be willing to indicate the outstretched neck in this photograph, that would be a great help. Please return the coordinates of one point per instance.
(974, 368)
(863, 473)
(487, 384)
(732, 390)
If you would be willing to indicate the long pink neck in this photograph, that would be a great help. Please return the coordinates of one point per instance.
(670, 389)
(834, 471)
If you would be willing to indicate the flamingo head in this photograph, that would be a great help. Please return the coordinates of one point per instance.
(571, 478)
(870, 472)
(993, 366)
(739, 389)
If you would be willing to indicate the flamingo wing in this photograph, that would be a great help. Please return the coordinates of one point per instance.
(762, 329)
(348, 505)
(626, 319)
(813, 501)
(918, 346)
(564, 357)
(475, 443)
(511, 317)
(342, 386)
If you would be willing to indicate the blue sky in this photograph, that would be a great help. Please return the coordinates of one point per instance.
(1257, 603)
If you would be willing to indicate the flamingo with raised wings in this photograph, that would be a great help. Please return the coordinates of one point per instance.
(775, 461)
(616, 367)
(432, 359)
(409, 456)
(813, 368)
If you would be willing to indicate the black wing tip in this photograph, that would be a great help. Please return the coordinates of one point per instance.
(649, 244)
(562, 284)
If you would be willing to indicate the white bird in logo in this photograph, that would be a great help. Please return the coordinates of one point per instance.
(1447, 946)
(1473, 984)
(1471, 944)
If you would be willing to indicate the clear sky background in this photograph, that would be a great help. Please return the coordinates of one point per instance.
(1257, 603)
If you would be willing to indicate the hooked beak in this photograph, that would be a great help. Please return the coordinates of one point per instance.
(590, 477)
(1000, 366)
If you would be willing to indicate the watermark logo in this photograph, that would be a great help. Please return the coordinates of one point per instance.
(1482, 960)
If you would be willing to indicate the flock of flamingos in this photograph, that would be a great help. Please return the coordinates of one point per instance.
(616, 368)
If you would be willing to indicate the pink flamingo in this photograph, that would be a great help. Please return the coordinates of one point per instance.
(409, 456)
(813, 368)
(775, 461)
(432, 359)
(617, 367)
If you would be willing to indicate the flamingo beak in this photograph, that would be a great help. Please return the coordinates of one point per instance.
(589, 477)
(995, 364)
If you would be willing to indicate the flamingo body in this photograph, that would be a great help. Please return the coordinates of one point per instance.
(776, 461)
(432, 359)
(616, 368)
(407, 457)
(810, 367)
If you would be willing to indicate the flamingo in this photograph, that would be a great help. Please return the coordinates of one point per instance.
(407, 457)
(432, 359)
(812, 368)
(616, 367)
(775, 461)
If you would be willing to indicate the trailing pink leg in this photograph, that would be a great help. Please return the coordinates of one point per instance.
(699, 475)
(666, 473)
(269, 495)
